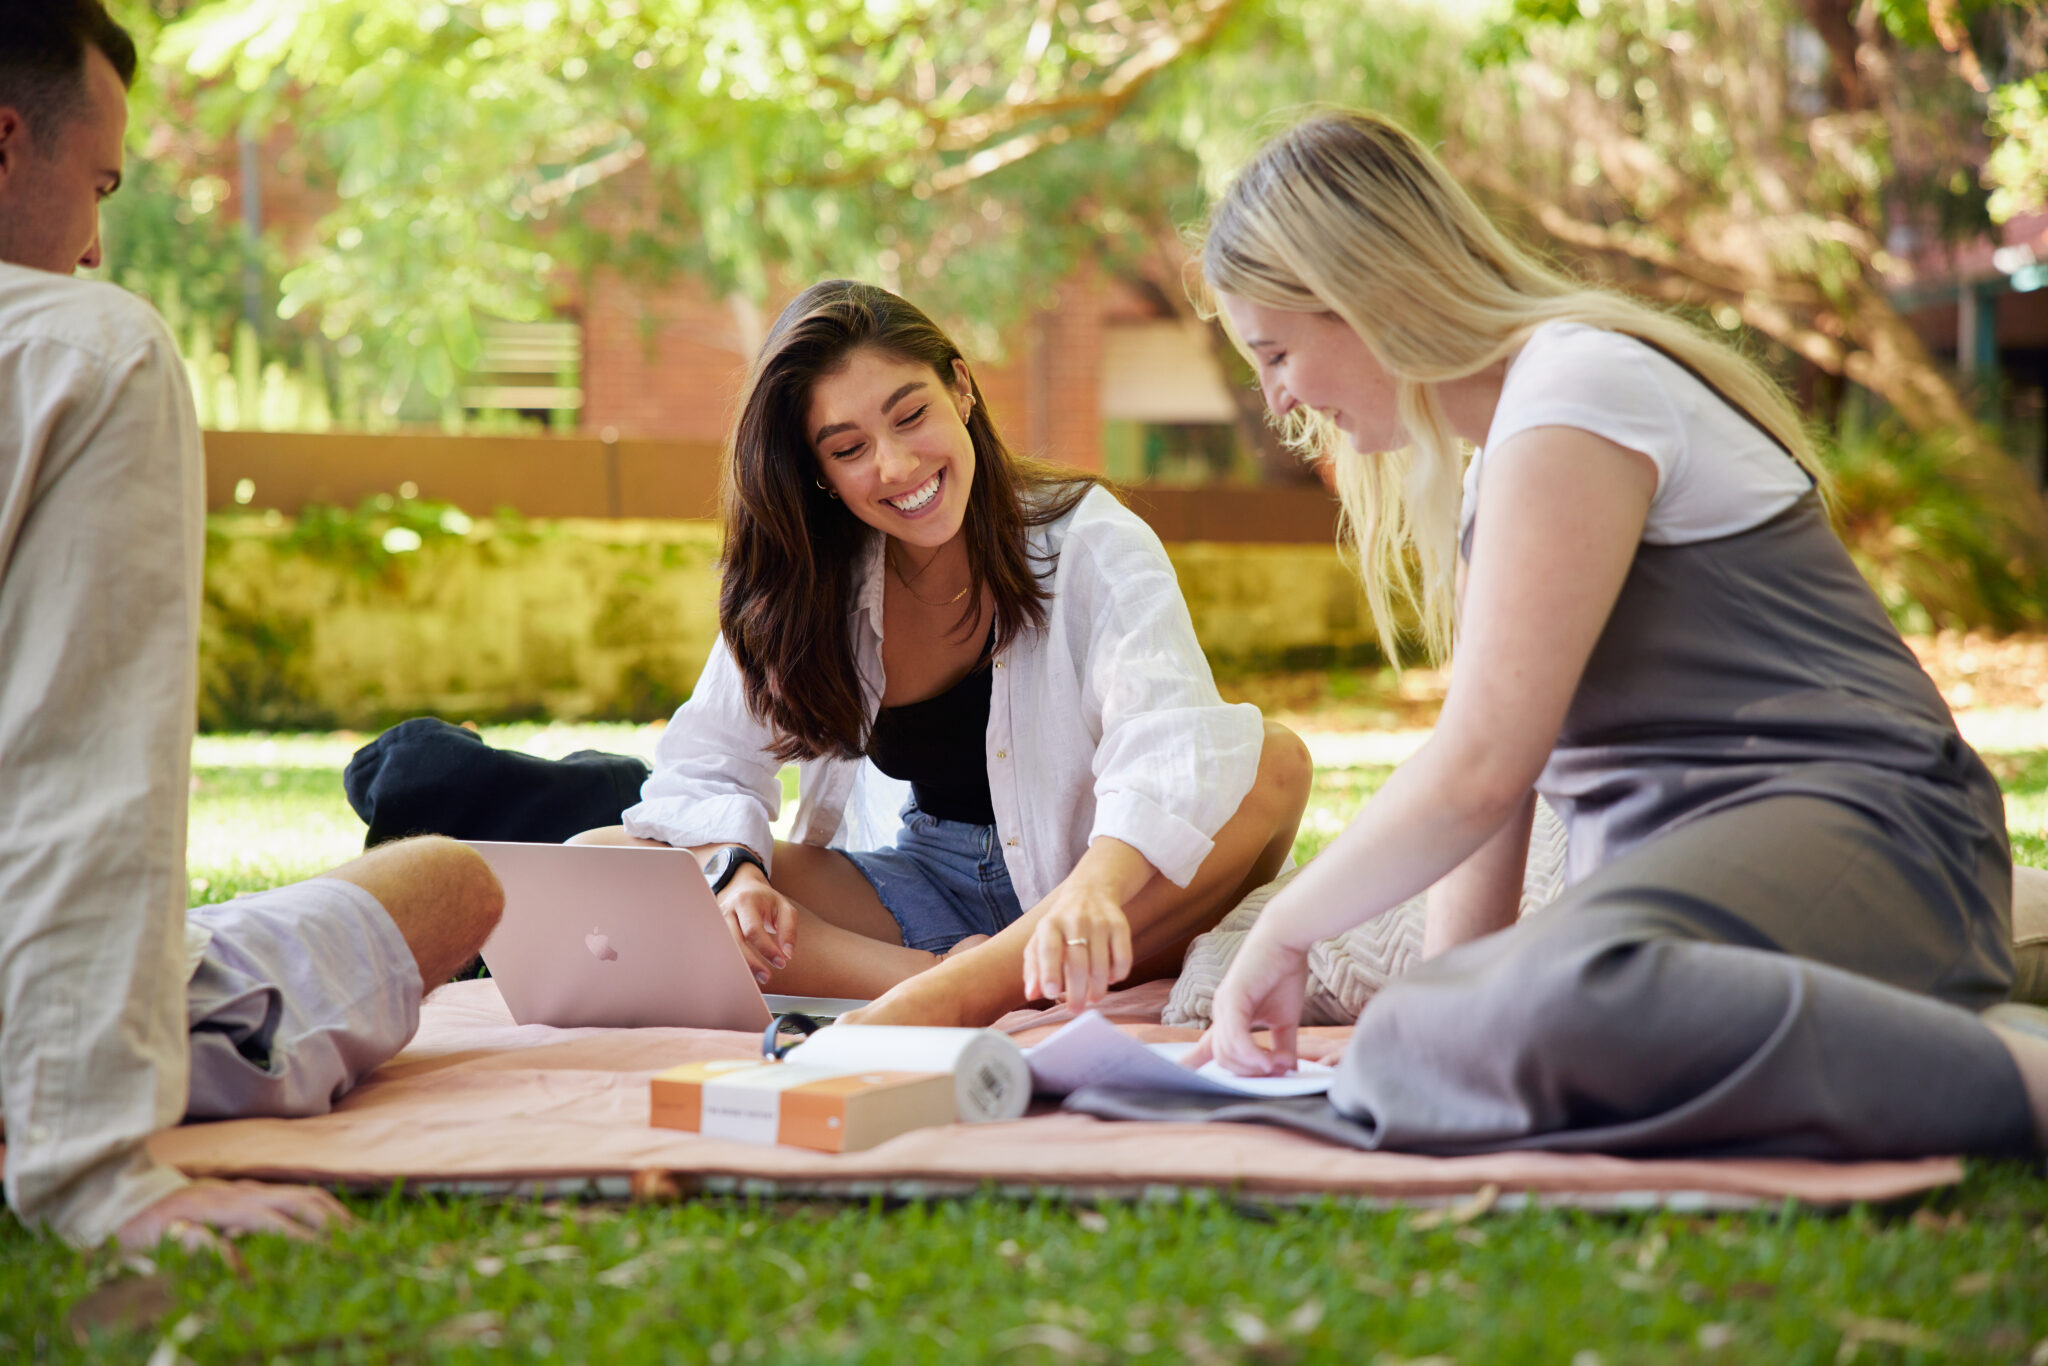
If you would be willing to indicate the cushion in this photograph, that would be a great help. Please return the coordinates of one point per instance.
(2030, 935)
(1344, 972)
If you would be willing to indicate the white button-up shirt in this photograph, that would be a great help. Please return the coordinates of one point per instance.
(1104, 722)
(101, 536)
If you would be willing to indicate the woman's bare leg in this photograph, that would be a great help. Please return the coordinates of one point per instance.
(846, 943)
(987, 981)
(1249, 851)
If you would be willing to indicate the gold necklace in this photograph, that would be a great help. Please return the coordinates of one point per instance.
(898, 572)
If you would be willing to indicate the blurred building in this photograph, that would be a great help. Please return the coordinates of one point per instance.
(1114, 376)
(1983, 307)
(1108, 378)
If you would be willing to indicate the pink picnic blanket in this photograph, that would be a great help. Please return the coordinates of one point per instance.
(478, 1102)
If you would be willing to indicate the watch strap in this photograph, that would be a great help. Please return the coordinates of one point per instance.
(728, 861)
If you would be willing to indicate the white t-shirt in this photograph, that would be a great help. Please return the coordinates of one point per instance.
(1717, 472)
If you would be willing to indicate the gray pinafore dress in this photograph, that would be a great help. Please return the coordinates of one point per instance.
(1790, 891)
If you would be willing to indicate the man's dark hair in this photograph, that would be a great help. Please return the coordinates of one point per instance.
(42, 57)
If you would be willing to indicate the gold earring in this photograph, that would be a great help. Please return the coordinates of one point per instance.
(828, 492)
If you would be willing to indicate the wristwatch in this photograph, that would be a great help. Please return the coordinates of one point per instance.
(725, 865)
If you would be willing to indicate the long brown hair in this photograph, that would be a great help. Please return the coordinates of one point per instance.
(785, 600)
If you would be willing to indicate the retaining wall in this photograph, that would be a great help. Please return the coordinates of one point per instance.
(596, 618)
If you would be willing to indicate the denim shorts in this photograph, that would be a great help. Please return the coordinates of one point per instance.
(943, 881)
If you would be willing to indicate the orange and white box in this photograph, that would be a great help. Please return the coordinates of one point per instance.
(825, 1108)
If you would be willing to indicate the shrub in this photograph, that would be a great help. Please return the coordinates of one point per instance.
(1949, 531)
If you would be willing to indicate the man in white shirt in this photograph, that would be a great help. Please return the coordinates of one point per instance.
(119, 1013)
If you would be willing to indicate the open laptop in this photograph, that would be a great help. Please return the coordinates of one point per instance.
(622, 936)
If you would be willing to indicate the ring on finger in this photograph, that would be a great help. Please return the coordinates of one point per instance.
(1080, 943)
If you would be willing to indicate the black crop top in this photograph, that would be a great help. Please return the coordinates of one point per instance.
(940, 745)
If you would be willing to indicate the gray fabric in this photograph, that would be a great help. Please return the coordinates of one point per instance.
(1311, 1115)
(1757, 665)
(303, 991)
(1791, 889)
(1773, 978)
(1672, 1003)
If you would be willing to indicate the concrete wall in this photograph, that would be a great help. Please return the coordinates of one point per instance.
(595, 618)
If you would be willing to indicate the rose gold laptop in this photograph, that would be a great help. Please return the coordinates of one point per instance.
(621, 936)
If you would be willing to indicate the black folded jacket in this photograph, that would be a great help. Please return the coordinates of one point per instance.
(426, 777)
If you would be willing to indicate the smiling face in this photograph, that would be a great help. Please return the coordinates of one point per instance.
(53, 177)
(891, 440)
(1315, 360)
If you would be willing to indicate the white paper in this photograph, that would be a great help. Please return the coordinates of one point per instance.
(1090, 1051)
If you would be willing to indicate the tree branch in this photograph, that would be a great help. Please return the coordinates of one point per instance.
(1102, 104)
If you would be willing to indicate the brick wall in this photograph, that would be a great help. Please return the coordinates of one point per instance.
(668, 361)
(665, 361)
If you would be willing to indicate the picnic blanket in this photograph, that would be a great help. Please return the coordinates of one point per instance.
(477, 1102)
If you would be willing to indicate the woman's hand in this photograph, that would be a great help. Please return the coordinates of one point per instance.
(762, 921)
(1265, 986)
(1081, 947)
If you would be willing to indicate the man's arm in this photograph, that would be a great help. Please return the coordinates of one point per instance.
(100, 546)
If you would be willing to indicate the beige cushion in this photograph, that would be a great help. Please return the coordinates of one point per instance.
(2030, 935)
(1343, 973)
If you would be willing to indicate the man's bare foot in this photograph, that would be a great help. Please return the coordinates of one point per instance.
(198, 1215)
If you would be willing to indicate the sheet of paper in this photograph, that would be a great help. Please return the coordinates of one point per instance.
(1090, 1051)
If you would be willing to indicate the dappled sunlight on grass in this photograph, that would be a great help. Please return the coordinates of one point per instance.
(1333, 801)
(257, 826)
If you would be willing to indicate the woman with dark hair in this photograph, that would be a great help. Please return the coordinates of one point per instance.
(903, 597)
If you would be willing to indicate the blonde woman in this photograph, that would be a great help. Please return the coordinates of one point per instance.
(1790, 880)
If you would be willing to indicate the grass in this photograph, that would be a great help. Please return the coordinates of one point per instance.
(1963, 1277)
(1191, 1280)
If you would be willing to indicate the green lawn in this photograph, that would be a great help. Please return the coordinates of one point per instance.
(1962, 1278)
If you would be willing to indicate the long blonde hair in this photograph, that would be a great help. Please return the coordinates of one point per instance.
(1346, 213)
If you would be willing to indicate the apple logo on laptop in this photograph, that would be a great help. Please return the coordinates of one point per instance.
(600, 946)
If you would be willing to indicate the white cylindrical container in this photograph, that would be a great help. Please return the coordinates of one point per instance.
(991, 1080)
